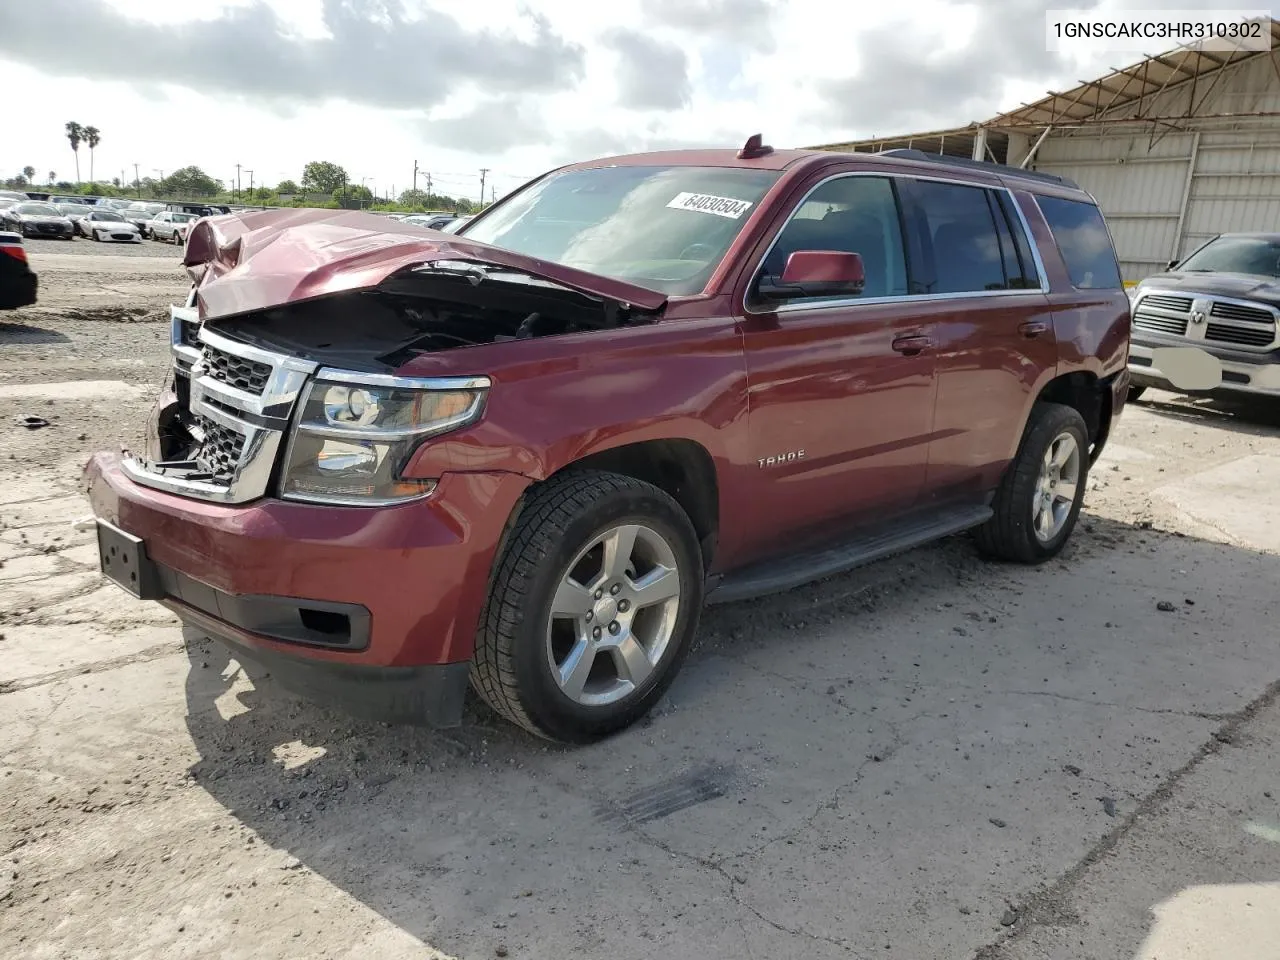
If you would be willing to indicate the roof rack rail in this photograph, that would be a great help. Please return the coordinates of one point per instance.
(910, 153)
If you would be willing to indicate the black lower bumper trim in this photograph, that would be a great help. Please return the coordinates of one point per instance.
(430, 695)
(315, 623)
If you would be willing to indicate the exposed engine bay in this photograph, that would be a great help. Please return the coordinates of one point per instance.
(425, 310)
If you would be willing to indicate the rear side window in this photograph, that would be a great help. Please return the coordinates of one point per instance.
(1084, 242)
(968, 256)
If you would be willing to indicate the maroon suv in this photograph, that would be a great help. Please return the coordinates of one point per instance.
(393, 462)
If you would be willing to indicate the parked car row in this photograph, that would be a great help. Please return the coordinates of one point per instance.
(66, 221)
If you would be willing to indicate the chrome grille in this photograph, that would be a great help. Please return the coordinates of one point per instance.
(1245, 324)
(1158, 323)
(189, 332)
(220, 449)
(236, 371)
(1238, 311)
(1226, 333)
(238, 407)
(1165, 302)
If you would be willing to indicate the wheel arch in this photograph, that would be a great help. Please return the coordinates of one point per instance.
(682, 468)
(1089, 395)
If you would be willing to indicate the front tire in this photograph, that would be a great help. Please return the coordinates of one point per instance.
(1038, 501)
(593, 606)
(1135, 392)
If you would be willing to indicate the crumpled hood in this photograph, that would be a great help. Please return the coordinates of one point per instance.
(255, 260)
(1242, 286)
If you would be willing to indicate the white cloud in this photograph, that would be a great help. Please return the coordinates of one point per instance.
(800, 71)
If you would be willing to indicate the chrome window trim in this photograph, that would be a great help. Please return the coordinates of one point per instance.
(336, 375)
(845, 302)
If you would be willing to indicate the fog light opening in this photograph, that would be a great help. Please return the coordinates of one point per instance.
(326, 622)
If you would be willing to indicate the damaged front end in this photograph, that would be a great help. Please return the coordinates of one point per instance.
(288, 356)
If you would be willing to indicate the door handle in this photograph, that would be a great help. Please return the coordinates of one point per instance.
(910, 346)
(1033, 328)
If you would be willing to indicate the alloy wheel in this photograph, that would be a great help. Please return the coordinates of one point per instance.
(1056, 487)
(613, 615)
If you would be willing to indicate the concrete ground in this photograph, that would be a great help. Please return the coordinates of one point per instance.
(931, 757)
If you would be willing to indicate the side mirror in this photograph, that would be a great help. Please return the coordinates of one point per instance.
(816, 273)
(1171, 264)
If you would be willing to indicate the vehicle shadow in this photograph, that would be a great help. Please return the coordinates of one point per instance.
(1257, 416)
(12, 332)
(835, 764)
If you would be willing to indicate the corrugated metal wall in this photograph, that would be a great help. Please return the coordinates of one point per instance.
(1164, 199)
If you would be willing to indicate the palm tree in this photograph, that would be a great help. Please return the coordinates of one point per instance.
(53, 175)
(93, 137)
(75, 133)
(30, 174)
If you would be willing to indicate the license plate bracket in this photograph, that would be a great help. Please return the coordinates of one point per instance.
(123, 560)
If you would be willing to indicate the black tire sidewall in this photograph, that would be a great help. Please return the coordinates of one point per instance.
(1054, 421)
(540, 695)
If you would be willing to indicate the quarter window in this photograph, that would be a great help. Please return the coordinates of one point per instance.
(968, 256)
(852, 215)
(1084, 242)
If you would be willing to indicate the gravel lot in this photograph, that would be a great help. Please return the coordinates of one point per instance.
(931, 757)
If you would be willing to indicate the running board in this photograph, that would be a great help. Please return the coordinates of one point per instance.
(775, 576)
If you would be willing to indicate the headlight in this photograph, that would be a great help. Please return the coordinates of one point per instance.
(355, 433)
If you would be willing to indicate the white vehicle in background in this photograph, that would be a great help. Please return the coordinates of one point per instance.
(107, 226)
(140, 214)
(171, 227)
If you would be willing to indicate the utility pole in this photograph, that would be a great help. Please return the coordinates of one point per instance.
(250, 173)
(415, 176)
(137, 183)
(237, 182)
(483, 171)
(428, 184)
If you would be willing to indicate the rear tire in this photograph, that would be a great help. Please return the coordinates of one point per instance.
(593, 606)
(1038, 501)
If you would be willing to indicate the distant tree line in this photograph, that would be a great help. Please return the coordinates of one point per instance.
(323, 184)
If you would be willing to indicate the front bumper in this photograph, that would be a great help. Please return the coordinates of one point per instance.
(269, 578)
(51, 231)
(1242, 372)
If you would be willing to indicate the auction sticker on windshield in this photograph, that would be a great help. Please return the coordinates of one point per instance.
(706, 203)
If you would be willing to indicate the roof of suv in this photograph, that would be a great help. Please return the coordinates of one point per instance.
(915, 160)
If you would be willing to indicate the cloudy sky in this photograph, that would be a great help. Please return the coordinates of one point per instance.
(376, 84)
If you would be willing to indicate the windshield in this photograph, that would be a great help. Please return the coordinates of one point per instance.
(1259, 256)
(37, 209)
(70, 208)
(183, 217)
(665, 228)
(107, 215)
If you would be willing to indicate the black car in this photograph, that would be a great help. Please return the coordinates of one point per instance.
(17, 281)
(36, 219)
